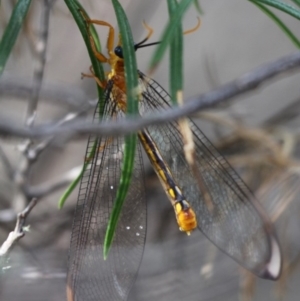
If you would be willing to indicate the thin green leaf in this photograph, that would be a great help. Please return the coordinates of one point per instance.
(169, 32)
(198, 7)
(76, 10)
(176, 55)
(297, 2)
(131, 76)
(132, 109)
(73, 185)
(70, 188)
(12, 30)
(128, 164)
(283, 27)
(287, 8)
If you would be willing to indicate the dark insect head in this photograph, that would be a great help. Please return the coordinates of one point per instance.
(119, 50)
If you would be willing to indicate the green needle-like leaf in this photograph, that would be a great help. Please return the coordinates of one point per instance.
(76, 9)
(73, 185)
(297, 2)
(283, 27)
(12, 30)
(176, 54)
(287, 8)
(169, 32)
(132, 109)
(198, 7)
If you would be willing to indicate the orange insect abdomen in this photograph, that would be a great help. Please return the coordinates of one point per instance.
(119, 87)
(186, 218)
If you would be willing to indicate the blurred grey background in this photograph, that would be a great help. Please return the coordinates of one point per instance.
(235, 37)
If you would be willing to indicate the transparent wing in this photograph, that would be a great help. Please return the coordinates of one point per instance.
(237, 224)
(90, 277)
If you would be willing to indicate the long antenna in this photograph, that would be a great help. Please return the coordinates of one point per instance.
(141, 45)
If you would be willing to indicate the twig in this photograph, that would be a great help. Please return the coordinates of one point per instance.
(7, 166)
(40, 147)
(245, 83)
(26, 148)
(41, 49)
(18, 232)
(52, 92)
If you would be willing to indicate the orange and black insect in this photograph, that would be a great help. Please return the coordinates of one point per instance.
(237, 224)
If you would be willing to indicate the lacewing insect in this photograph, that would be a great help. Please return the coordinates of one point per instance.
(237, 224)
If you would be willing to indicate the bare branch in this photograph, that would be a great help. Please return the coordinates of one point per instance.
(28, 155)
(18, 232)
(52, 92)
(39, 148)
(245, 83)
(41, 50)
(8, 167)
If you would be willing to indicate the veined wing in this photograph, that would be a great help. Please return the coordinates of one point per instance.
(237, 224)
(90, 277)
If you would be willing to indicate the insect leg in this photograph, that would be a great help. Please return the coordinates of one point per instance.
(194, 28)
(111, 34)
(100, 83)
